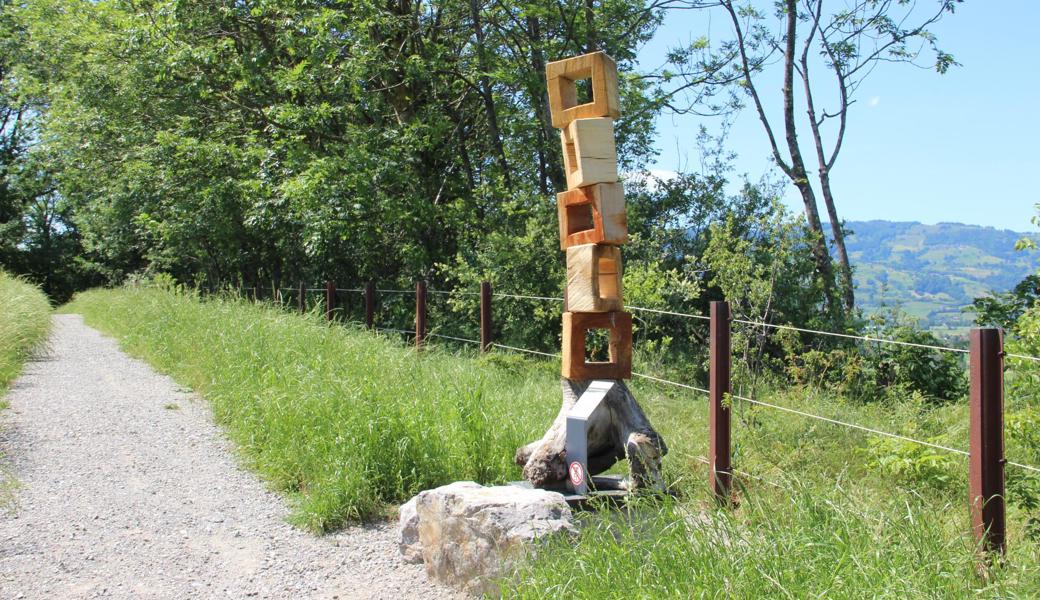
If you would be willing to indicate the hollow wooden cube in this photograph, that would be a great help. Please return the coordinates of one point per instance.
(592, 215)
(594, 278)
(589, 154)
(561, 77)
(619, 327)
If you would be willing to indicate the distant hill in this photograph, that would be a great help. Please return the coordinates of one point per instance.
(934, 271)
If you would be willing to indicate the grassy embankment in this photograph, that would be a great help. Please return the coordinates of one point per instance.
(347, 423)
(24, 323)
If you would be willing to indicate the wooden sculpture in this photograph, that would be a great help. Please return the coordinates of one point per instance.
(592, 229)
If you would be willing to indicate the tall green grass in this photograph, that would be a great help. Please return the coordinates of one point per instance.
(808, 542)
(343, 420)
(349, 422)
(24, 323)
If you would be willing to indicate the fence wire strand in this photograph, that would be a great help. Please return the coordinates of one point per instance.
(675, 383)
(525, 297)
(850, 425)
(452, 293)
(451, 337)
(497, 345)
(408, 331)
(668, 312)
(866, 338)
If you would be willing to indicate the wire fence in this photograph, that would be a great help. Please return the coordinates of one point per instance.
(685, 386)
(805, 414)
(864, 338)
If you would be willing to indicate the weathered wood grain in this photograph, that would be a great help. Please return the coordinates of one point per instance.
(594, 279)
(560, 76)
(619, 327)
(592, 215)
(589, 153)
(618, 429)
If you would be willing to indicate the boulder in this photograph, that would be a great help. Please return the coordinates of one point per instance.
(408, 527)
(470, 536)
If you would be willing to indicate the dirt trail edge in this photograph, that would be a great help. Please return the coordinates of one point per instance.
(129, 490)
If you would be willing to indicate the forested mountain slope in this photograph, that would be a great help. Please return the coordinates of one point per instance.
(933, 271)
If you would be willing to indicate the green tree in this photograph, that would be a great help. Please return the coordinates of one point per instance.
(824, 51)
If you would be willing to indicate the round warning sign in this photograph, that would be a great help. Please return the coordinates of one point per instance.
(577, 473)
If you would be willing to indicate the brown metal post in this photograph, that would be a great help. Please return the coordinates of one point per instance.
(330, 299)
(420, 314)
(303, 298)
(986, 457)
(485, 316)
(719, 386)
(370, 305)
(256, 292)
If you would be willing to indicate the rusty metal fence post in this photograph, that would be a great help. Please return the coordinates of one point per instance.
(330, 299)
(986, 456)
(485, 316)
(719, 386)
(370, 305)
(420, 314)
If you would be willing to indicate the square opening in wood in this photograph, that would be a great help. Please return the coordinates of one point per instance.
(592, 215)
(579, 219)
(577, 362)
(597, 345)
(581, 87)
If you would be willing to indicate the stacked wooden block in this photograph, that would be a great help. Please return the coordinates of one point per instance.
(592, 215)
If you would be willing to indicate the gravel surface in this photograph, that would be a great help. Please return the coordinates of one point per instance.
(128, 490)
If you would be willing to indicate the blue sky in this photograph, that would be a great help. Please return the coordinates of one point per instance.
(959, 147)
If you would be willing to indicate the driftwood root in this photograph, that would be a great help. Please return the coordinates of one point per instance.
(618, 429)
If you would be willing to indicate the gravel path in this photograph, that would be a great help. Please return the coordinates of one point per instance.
(128, 490)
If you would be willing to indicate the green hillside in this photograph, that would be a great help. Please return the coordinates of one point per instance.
(933, 271)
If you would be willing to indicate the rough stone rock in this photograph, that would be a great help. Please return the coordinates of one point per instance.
(408, 526)
(472, 535)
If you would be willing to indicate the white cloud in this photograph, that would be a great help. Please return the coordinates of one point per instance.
(875, 101)
(654, 175)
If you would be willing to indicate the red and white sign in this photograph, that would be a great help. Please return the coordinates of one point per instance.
(577, 473)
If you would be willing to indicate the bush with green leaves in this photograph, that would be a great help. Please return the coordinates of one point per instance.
(873, 370)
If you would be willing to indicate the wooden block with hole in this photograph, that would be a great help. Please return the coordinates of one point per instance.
(575, 363)
(594, 278)
(592, 215)
(589, 154)
(561, 79)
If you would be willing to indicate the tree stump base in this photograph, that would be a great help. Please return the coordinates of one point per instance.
(617, 429)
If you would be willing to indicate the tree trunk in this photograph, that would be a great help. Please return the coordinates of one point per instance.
(550, 168)
(590, 26)
(797, 171)
(486, 95)
(617, 429)
(820, 254)
(847, 291)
